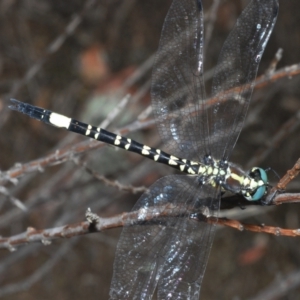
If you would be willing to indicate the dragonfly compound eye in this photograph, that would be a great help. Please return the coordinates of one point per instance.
(259, 176)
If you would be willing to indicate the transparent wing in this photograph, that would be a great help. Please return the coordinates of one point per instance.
(168, 253)
(177, 85)
(177, 81)
(235, 72)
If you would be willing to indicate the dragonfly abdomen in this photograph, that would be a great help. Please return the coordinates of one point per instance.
(216, 173)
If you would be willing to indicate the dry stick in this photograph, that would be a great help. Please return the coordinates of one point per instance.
(95, 223)
(67, 153)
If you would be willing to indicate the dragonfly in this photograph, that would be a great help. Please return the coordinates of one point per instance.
(167, 255)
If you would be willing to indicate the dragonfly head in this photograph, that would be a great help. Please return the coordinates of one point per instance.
(258, 185)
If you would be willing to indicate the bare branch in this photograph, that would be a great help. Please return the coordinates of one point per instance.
(96, 223)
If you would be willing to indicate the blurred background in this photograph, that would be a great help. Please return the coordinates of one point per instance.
(80, 58)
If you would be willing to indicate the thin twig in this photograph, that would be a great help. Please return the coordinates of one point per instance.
(282, 184)
(52, 48)
(113, 183)
(4, 191)
(254, 228)
(119, 17)
(38, 274)
(284, 131)
(280, 287)
(274, 62)
(211, 19)
(115, 112)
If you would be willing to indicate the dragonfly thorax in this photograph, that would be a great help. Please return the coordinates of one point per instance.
(214, 172)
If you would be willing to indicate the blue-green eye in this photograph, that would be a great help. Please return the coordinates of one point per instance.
(258, 194)
(260, 176)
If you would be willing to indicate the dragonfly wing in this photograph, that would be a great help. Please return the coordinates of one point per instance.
(177, 81)
(165, 252)
(237, 68)
(187, 252)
